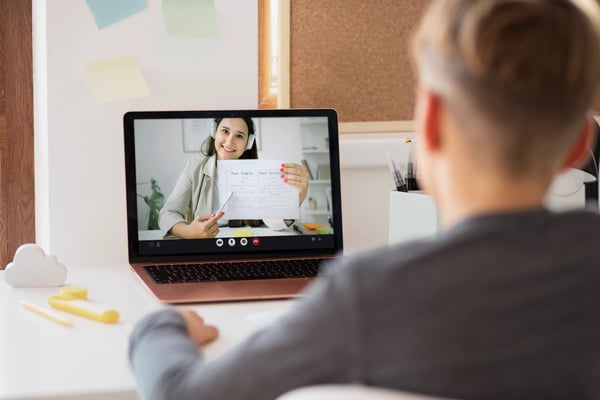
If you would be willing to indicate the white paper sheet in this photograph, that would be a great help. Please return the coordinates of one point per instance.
(259, 192)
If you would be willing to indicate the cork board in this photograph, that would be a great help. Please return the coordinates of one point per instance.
(354, 56)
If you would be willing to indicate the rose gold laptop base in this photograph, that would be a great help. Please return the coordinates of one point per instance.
(201, 292)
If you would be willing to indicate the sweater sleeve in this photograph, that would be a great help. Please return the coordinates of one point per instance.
(316, 342)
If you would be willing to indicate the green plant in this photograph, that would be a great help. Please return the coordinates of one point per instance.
(155, 202)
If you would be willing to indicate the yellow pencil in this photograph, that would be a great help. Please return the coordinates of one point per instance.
(52, 316)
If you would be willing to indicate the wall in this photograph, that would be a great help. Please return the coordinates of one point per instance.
(80, 196)
(366, 185)
(80, 190)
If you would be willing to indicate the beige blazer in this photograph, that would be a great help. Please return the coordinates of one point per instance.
(193, 194)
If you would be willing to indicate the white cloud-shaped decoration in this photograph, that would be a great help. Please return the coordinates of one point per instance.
(32, 267)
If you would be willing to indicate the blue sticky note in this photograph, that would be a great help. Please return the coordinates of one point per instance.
(107, 12)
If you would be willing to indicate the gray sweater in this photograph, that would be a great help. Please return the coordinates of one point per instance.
(499, 307)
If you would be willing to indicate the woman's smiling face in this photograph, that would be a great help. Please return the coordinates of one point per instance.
(231, 138)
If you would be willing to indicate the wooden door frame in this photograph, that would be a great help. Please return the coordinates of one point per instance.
(266, 98)
(17, 191)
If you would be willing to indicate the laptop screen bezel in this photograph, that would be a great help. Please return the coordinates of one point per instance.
(129, 119)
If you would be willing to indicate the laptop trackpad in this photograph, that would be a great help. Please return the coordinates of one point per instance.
(265, 289)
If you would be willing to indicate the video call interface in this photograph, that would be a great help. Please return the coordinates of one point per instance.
(277, 197)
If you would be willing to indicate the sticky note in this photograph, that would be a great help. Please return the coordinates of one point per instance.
(324, 230)
(78, 292)
(116, 79)
(312, 226)
(107, 12)
(196, 18)
(243, 232)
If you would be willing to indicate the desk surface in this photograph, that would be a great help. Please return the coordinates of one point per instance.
(40, 359)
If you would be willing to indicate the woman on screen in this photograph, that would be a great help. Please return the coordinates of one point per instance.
(190, 209)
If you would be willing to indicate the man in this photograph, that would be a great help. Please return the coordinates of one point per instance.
(503, 304)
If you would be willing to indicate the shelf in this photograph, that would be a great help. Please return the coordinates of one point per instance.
(319, 211)
(309, 151)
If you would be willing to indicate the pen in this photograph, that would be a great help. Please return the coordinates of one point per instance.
(297, 229)
(396, 175)
(224, 203)
(52, 316)
(401, 185)
(411, 176)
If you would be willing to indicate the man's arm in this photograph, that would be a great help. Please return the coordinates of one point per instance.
(316, 342)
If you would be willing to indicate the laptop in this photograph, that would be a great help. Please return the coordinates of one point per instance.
(272, 240)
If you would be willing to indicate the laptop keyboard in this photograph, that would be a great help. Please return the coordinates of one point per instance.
(234, 271)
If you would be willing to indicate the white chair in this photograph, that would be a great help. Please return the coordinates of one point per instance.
(351, 392)
(568, 191)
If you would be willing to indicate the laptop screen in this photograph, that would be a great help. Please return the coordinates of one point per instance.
(232, 184)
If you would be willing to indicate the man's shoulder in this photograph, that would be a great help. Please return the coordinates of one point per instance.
(391, 259)
(579, 218)
(479, 247)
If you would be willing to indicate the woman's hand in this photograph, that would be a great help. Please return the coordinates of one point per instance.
(203, 226)
(199, 332)
(297, 175)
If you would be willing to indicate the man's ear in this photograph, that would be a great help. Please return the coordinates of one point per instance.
(580, 150)
(429, 118)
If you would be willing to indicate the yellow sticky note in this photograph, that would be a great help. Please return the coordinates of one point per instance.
(116, 79)
(196, 18)
(243, 232)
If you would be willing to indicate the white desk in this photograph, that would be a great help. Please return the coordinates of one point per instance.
(40, 359)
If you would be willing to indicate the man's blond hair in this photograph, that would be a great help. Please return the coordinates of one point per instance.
(519, 75)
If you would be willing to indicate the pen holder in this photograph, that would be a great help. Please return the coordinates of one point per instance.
(413, 215)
